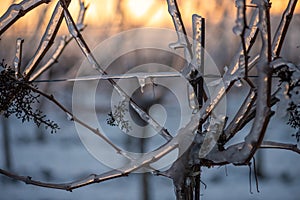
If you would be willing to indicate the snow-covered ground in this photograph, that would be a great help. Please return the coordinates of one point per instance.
(63, 158)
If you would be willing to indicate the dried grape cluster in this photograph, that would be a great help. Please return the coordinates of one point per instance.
(117, 118)
(18, 97)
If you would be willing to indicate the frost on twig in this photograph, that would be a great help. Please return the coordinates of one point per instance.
(47, 39)
(16, 11)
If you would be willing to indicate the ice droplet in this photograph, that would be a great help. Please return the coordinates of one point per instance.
(238, 83)
(142, 82)
(69, 117)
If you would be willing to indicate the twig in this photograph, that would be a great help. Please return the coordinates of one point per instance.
(283, 28)
(47, 39)
(16, 11)
(237, 121)
(54, 57)
(81, 15)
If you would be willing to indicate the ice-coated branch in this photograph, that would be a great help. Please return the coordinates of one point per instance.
(183, 41)
(63, 42)
(241, 22)
(93, 178)
(90, 57)
(47, 39)
(283, 28)
(81, 15)
(198, 42)
(242, 154)
(18, 57)
(53, 59)
(138, 75)
(16, 11)
(279, 145)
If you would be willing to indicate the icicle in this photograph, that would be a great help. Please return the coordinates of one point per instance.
(18, 56)
(69, 117)
(238, 83)
(193, 103)
(225, 68)
(214, 130)
(142, 83)
(198, 44)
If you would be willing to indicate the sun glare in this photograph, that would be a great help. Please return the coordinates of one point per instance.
(139, 7)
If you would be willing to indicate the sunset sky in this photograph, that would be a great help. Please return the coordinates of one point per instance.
(140, 13)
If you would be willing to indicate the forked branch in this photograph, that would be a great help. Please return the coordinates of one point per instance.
(47, 39)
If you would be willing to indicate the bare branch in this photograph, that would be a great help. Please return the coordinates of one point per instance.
(283, 28)
(47, 39)
(16, 11)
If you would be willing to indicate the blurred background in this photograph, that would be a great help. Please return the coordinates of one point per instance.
(61, 157)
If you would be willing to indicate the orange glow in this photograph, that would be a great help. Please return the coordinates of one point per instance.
(139, 8)
(138, 13)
